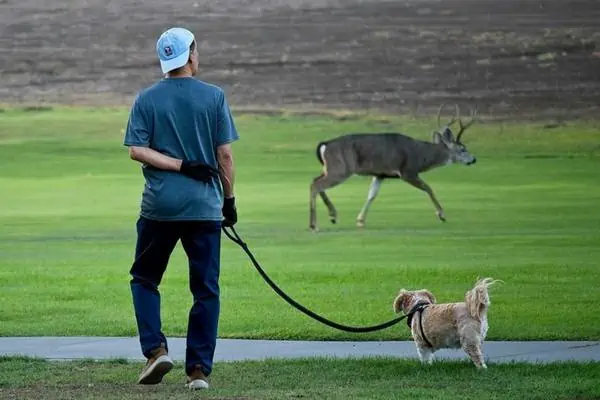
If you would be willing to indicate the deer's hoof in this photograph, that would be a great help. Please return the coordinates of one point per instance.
(314, 229)
(360, 224)
(441, 217)
(333, 220)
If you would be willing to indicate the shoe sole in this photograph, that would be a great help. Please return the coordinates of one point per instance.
(155, 373)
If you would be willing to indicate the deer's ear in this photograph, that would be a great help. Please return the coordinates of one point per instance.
(447, 135)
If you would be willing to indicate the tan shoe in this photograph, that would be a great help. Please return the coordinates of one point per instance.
(197, 380)
(156, 367)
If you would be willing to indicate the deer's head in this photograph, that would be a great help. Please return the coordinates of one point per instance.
(458, 151)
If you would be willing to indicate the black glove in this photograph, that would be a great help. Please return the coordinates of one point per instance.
(198, 170)
(229, 212)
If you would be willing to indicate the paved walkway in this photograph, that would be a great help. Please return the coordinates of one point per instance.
(102, 348)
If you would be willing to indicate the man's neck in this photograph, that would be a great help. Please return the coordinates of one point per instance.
(182, 74)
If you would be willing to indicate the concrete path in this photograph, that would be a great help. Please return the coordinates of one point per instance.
(102, 348)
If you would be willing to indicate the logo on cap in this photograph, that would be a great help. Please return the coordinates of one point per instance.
(168, 51)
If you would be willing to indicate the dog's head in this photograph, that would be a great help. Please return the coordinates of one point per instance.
(406, 299)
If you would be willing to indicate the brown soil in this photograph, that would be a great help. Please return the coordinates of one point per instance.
(514, 58)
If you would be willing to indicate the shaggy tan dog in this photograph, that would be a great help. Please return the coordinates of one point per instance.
(449, 325)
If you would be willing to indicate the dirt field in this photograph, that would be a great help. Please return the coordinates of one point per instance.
(512, 58)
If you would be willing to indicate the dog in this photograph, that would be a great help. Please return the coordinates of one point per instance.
(448, 325)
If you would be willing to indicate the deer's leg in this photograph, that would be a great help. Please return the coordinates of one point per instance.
(330, 207)
(420, 184)
(373, 191)
(319, 185)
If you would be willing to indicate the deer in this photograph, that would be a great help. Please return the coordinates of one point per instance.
(387, 155)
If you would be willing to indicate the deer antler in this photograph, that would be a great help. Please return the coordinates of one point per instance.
(453, 120)
(464, 127)
(438, 116)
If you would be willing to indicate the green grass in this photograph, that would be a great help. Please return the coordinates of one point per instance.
(526, 213)
(310, 379)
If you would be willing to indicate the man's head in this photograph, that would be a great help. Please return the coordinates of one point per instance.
(176, 49)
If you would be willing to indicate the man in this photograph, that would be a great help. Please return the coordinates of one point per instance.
(181, 130)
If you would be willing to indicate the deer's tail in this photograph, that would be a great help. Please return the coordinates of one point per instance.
(320, 150)
(478, 299)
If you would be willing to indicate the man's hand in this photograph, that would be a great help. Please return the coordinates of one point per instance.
(229, 212)
(198, 170)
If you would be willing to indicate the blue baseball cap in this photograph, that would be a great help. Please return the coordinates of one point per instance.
(173, 48)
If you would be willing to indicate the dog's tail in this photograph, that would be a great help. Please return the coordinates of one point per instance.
(478, 299)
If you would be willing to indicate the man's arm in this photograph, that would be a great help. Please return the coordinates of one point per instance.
(226, 169)
(138, 137)
(152, 157)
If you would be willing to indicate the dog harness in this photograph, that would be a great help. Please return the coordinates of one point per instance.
(418, 308)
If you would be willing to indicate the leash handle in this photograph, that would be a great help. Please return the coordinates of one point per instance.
(235, 237)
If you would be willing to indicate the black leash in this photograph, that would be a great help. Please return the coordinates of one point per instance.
(233, 235)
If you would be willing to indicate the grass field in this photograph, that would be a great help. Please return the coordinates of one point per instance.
(526, 213)
(308, 379)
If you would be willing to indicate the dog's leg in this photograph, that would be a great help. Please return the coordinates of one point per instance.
(425, 354)
(473, 349)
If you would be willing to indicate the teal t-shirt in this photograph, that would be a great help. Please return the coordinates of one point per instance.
(187, 119)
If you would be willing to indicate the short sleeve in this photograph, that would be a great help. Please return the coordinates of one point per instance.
(138, 131)
(226, 131)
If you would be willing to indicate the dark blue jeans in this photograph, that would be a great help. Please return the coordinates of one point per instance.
(201, 241)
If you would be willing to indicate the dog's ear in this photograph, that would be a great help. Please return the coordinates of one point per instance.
(399, 300)
(429, 295)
